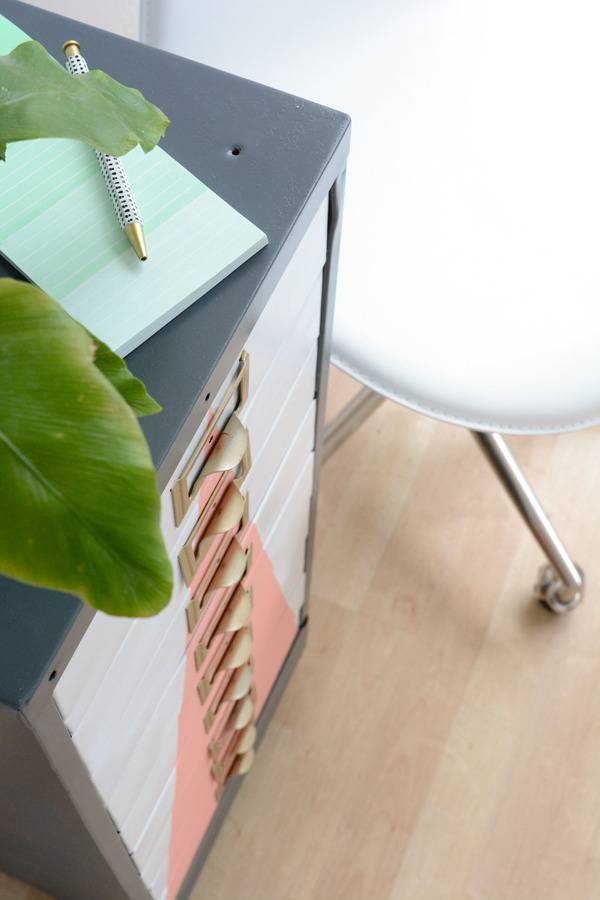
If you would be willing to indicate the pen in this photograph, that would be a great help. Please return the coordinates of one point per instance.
(118, 186)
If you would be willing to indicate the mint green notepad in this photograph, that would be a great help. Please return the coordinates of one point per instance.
(58, 227)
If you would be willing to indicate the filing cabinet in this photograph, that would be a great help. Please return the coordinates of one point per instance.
(124, 740)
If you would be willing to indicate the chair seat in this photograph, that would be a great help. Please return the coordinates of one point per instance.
(469, 286)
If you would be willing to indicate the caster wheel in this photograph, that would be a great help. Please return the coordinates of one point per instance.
(555, 595)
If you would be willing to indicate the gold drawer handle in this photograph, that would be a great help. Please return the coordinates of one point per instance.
(239, 685)
(246, 740)
(231, 450)
(241, 714)
(241, 766)
(231, 510)
(231, 569)
(182, 492)
(223, 569)
(236, 652)
(242, 742)
(236, 686)
(238, 613)
(235, 614)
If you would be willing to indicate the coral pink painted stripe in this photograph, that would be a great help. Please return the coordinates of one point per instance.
(274, 628)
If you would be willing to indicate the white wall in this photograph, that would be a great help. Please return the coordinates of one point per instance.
(119, 16)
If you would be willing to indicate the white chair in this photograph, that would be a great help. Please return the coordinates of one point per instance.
(469, 287)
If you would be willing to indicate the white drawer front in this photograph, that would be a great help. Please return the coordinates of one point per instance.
(261, 411)
(282, 434)
(288, 474)
(116, 718)
(156, 871)
(287, 299)
(89, 666)
(286, 542)
(148, 846)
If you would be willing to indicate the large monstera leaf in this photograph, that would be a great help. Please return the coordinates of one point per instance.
(79, 507)
(39, 99)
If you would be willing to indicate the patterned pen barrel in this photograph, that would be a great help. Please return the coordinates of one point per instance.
(118, 186)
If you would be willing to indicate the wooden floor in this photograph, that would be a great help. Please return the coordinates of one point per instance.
(441, 737)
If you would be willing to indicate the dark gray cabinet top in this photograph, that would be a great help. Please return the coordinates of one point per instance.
(290, 151)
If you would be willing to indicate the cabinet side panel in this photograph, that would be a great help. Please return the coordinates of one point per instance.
(42, 838)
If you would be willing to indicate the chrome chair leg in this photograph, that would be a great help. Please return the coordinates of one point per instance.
(349, 419)
(560, 584)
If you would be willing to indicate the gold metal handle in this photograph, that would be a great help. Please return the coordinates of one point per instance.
(182, 492)
(241, 714)
(239, 685)
(223, 567)
(236, 652)
(246, 740)
(230, 451)
(241, 743)
(234, 687)
(238, 613)
(231, 569)
(232, 742)
(234, 613)
(219, 517)
(241, 766)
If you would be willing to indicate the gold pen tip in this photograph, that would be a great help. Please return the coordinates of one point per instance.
(71, 48)
(135, 235)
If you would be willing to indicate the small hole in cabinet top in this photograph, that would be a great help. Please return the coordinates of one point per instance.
(52, 675)
(235, 151)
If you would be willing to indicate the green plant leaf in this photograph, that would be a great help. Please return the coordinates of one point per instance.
(130, 388)
(40, 99)
(80, 507)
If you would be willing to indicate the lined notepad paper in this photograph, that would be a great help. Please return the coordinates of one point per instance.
(59, 228)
